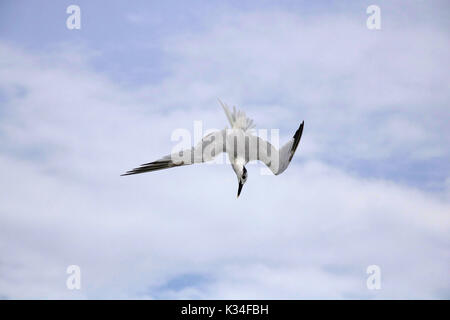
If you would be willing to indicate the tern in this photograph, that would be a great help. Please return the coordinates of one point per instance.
(240, 145)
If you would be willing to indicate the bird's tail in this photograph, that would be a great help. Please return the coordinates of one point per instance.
(237, 118)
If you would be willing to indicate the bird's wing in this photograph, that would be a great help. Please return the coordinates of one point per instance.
(206, 150)
(276, 160)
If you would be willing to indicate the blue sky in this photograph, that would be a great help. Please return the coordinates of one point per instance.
(369, 184)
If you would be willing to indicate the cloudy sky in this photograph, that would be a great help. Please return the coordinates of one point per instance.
(369, 184)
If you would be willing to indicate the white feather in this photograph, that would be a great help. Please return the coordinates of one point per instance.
(237, 119)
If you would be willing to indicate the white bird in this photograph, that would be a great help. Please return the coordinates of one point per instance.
(240, 145)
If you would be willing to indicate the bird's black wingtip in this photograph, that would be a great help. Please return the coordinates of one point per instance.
(298, 133)
(297, 137)
(128, 173)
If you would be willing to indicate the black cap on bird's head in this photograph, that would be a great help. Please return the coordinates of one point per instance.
(241, 181)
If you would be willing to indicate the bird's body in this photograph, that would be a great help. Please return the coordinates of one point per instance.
(240, 145)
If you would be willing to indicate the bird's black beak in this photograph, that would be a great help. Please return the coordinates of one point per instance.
(240, 188)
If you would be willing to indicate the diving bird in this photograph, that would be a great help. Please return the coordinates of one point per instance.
(240, 145)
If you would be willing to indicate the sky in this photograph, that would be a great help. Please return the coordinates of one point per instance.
(369, 183)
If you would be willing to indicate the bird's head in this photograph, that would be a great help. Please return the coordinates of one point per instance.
(242, 178)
